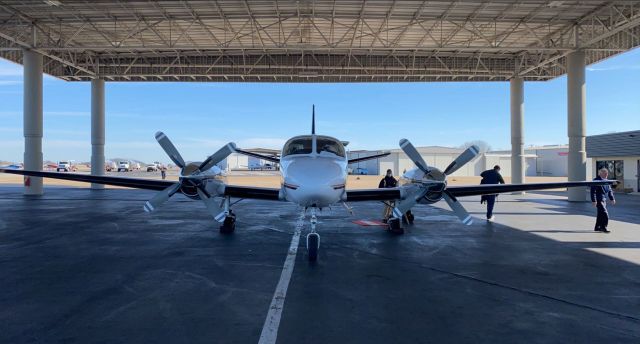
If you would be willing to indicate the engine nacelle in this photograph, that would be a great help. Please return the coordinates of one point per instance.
(435, 181)
(211, 181)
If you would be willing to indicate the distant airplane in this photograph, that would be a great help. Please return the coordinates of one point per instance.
(314, 175)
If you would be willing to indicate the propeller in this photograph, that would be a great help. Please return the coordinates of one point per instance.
(188, 176)
(213, 206)
(413, 154)
(458, 209)
(170, 149)
(469, 154)
(216, 157)
(161, 197)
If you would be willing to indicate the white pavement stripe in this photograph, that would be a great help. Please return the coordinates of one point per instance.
(272, 323)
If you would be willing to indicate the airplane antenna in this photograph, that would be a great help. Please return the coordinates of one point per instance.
(313, 119)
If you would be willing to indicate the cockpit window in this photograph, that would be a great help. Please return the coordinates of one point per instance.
(301, 145)
(329, 145)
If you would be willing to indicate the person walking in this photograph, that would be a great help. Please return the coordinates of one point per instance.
(388, 182)
(599, 195)
(163, 172)
(492, 176)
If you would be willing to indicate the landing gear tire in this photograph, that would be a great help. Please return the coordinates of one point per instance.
(229, 224)
(313, 246)
(410, 217)
(395, 226)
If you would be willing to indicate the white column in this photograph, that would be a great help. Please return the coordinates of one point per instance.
(32, 119)
(576, 123)
(97, 130)
(517, 131)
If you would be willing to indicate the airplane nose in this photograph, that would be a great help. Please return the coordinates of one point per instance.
(315, 171)
(315, 181)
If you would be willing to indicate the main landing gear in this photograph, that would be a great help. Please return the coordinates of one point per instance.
(395, 224)
(313, 238)
(229, 223)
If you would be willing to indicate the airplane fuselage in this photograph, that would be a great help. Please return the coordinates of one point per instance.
(314, 171)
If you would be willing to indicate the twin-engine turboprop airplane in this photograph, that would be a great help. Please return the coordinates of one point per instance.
(314, 175)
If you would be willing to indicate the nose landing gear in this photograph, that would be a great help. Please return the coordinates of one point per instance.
(313, 238)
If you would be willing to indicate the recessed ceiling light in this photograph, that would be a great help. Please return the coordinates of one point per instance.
(555, 3)
(53, 2)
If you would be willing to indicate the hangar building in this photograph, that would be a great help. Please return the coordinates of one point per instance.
(620, 154)
(548, 161)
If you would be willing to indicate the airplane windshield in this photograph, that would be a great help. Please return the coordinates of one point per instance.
(300, 145)
(329, 145)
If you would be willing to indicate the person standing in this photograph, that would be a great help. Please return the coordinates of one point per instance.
(492, 176)
(163, 172)
(599, 195)
(388, 182)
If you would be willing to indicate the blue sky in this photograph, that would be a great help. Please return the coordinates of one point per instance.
(200, 117)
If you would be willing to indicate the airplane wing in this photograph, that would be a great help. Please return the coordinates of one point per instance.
(148, 184)
(259, 156)
(270, 194)
(388, 194)
(469, 190)
(490, 189)
(137, 183)
(364, 158)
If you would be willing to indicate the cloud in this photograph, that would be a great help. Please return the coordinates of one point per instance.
(613, 68)
(262, 142)
(10, 130)
(251, 142)
(10, 82)
(11, 69)
(66, 114)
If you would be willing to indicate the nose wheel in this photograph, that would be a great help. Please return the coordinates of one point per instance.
(313, 245)
(313, 238)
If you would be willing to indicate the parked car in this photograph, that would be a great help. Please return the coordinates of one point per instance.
(135, 166)
(124, 166)
(110, 166)
(361, 170)
(65, 166)
(152, 167)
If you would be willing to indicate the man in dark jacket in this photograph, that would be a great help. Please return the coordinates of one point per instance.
(388, 181)
(599, 195)
(491, 177)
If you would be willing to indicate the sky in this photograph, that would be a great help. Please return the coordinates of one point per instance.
(201, 117)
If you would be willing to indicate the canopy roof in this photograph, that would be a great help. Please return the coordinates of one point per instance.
(315, 41)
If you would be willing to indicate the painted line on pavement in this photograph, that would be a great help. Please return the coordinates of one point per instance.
(272, 323)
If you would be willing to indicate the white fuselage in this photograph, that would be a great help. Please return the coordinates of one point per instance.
(314, 179)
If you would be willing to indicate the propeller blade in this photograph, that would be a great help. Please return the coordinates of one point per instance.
(413, 154)
(457, 208)
(466, 156)
(161, 197)
(212, 206)
(170, 149)
(218, 156)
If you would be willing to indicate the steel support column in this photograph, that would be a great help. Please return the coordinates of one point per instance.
(517, 131)
(32, 119)
(97, 130)
(576, 123)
